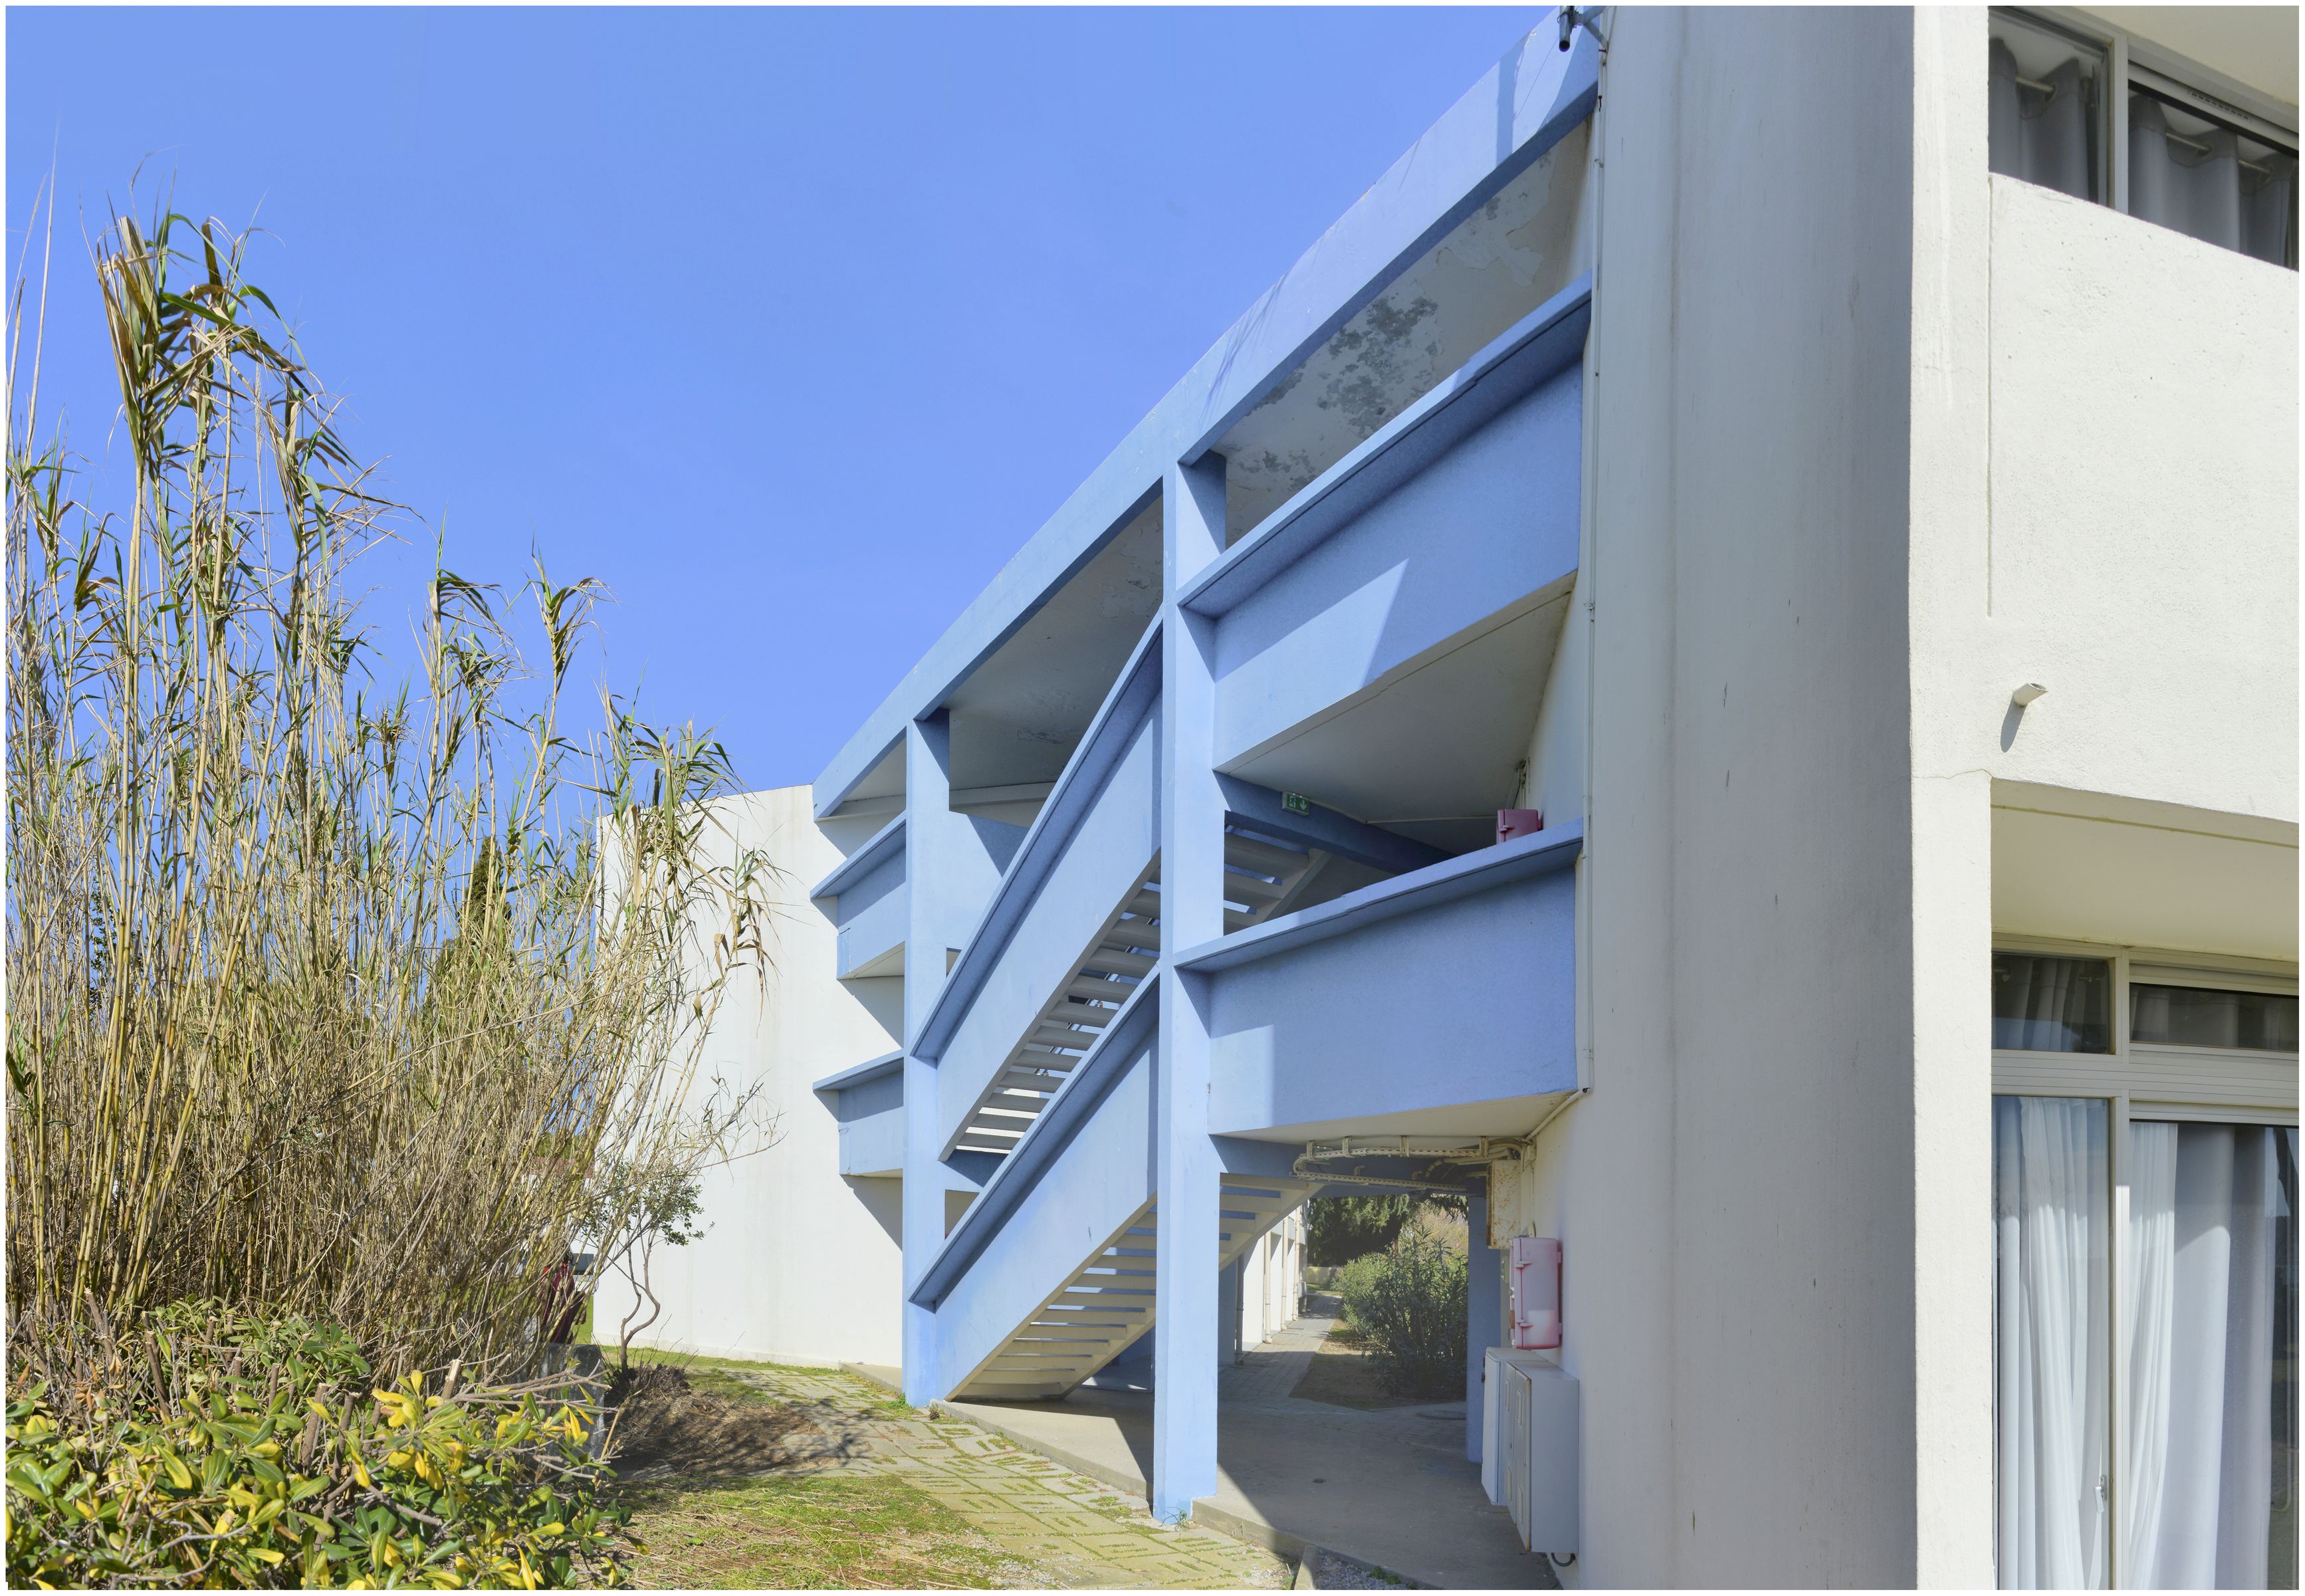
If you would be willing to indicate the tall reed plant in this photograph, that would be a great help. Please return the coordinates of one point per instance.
(324, 995)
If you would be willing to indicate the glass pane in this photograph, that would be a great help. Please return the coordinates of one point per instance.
(2196, 174)
(2211, 1480)
(2047, 109)
(2052, 1005)
(2198, 1017)
(2051, 1356)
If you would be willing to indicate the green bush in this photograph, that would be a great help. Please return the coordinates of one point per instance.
(1406, 1305)
(210, 1448)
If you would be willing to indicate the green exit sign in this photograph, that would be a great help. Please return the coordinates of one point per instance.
(1295, 803)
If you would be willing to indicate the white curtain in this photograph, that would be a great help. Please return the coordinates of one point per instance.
(2041, 138)
(2205, 1206)
(2196, 183)
(2050, 1317)
(2051, 1004)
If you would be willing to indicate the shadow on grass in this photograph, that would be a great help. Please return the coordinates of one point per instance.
(672, 1419)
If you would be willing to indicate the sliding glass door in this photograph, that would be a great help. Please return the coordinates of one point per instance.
(2205, 1494)
(2212, 1333)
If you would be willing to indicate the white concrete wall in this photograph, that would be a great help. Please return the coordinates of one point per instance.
(1555, 781)
(1736, 1195)
(2105, 502)
(800, 1265)
(2139, 555)
(1878, 438)
(1951, 790)
(1272, 1279)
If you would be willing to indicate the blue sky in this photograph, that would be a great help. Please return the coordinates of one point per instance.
(791, 326)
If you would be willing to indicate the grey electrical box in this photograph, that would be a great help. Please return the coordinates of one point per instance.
(1531, 1461)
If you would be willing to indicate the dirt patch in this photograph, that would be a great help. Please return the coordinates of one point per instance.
(665, 1425)
(1329, 1572)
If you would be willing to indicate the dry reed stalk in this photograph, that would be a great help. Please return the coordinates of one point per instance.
(318, 1000)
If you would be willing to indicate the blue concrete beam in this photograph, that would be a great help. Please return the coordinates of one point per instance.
(1316, 825)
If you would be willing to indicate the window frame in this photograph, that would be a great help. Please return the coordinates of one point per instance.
(2263, 1095)
(2132, 61)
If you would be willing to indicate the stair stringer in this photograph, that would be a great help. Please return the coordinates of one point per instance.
(1085, 1195)
(1109, 1302)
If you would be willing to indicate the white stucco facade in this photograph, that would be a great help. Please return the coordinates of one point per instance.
(1874, 446)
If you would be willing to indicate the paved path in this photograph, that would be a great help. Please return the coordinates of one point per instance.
(1078, 1531)
(1390, 1487)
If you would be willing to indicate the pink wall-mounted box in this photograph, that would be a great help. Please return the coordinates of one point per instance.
(1519, 823)
(1535, 1277)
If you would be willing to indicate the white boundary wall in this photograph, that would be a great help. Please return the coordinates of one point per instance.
(800, 1264)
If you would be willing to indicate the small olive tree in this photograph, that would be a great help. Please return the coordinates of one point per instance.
(1407, 1303)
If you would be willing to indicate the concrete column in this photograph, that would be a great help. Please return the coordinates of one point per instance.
(942, 872)
(1485, 1290)
(1228, 1285)
(1192, 911)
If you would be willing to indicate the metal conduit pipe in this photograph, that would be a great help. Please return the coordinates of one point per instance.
(1395, 1183)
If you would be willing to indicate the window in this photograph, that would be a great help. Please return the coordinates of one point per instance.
(2192, 171)
(2202, 1017)
(2046, 1005)
(2145, 1251)
(2163, 146)
(2048, 107)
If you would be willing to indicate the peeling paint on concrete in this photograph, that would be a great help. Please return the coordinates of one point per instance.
(1518, 249)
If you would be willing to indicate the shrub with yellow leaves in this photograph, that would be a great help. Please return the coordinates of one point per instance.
(155, 1456)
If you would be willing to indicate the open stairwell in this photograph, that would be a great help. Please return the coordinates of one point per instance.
(1109, 1302)
(1263, 879)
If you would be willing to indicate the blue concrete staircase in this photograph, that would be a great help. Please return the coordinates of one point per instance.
(1109, 1300)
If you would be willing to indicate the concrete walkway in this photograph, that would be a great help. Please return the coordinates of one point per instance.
(1389, 1487)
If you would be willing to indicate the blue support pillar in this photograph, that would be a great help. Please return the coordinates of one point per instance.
(1185, 1333)
(947, 877)
(1228, 1283)
(1485, 1284)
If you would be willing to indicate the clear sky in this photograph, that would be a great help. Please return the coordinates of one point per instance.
(791, 326)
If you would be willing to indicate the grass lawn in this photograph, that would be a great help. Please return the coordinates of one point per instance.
(725, 1376)
(720, 1521)
(809, 1532)
(1343, 1374)
(743, 1475)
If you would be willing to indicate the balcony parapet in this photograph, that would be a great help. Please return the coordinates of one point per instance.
(1541, 344)
(1540, 853)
